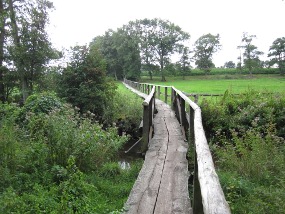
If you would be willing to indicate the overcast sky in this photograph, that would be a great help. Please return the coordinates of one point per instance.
(78, 22)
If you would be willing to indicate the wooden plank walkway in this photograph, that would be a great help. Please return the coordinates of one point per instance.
(162, 184)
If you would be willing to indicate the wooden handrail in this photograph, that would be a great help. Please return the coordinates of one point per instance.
(208, 196)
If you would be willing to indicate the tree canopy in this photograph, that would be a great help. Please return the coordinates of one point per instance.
(158, 40)
(204, 48)
(277, 52)
(24, 43)
(84, 83)
(251, 53)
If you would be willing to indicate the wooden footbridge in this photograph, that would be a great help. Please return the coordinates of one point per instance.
(169, 132)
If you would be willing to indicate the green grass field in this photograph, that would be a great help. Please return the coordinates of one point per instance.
(218, 84)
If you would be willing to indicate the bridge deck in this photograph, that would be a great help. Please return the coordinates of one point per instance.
(162, 184)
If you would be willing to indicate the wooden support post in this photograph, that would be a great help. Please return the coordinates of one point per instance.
(173, 97)
(158, 91)
(145, 135)
(183, 118)
(165, 95)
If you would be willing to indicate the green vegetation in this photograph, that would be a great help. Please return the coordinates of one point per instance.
(63, 123)
(55, 160)
(218, 84)
(205, 47)
(246, 134)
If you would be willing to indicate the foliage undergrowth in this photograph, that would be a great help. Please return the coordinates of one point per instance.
(55, 160)
(246, 134)
(125, 110)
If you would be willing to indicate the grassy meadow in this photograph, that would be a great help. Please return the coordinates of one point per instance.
(218, 84)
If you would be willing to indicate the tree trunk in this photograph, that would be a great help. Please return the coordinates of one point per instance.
(150, 75)
(2, 40)
(162, 69)
(16, 38)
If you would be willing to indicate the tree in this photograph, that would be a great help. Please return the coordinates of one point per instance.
(121, 52)
(251, 53)
(84, 83)
(29, 48)
(184, 62)
(128, 53)
(204, 49)
(158, 40)
(230, 64)
(2, 40)
(277, 52)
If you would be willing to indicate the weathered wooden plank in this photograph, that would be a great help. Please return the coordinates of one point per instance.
(147, 184)
(173, 193)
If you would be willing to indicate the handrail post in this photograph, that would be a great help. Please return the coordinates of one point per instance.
(158, 91)
(183, 117)
(145, 135)
(173, 97)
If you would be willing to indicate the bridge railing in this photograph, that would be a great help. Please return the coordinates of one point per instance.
(148, 115)
(148, 111)
(208, 196)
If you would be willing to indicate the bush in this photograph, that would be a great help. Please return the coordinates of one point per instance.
(65, 134)
(247, 140)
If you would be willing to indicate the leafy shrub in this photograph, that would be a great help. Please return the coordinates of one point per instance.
(41, 103)
(48, 161)
(238, 112)
(247, 140)
(65, 134)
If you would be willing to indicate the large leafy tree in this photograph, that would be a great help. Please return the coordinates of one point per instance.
(158, 40)
(277, 52)
(29, 46)
(84, 83)
(251, 53)
(128, 53)
(121, 53)
(204, 48)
